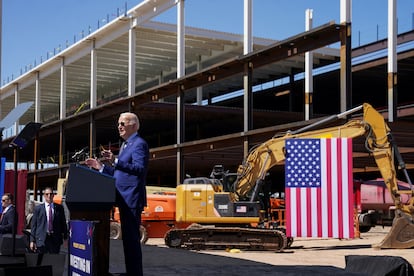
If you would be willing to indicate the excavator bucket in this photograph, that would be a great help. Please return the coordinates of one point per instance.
(401, 235)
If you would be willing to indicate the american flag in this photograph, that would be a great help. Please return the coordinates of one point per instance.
(319, 191)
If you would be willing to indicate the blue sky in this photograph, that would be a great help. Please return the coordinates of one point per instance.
(32, 30)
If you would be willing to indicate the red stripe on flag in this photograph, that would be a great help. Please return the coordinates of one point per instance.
(340, 192)
(298, 211)
(319, 206)
(288, 216)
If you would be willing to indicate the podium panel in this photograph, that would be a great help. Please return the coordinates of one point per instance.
(87, 189)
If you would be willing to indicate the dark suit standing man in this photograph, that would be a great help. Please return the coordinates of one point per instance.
(130, 171)
(49, 228)
(7, 217)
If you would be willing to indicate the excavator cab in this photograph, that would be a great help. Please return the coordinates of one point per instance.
(215, 183)
(228, 181)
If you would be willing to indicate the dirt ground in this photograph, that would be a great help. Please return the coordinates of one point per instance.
(315, 251)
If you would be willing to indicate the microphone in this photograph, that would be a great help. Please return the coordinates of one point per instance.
(76, 155)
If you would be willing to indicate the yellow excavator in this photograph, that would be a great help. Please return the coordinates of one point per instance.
(224, 219)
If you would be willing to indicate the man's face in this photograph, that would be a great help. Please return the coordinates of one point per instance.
(48, 195)
(5, 201)
(126, 127)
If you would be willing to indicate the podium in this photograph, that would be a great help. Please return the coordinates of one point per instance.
(90, 196)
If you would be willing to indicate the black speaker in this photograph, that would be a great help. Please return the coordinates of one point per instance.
(56, 261)
(6, 244)
(89, 190)
(24, 271)
(378, 265)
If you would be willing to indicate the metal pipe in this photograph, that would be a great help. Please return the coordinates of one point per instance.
(328, 119)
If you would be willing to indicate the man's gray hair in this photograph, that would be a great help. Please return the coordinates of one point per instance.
(131, 117)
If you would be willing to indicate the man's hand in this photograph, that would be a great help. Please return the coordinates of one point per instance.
(33, 246)
(107, 155)
(93, 163)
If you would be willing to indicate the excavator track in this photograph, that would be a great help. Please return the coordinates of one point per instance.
(210, 237)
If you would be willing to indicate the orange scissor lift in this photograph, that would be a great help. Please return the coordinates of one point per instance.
(157, 218)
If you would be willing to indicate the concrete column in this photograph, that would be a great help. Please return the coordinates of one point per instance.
(16, 103)
(180, 91)
(62, 90)
(247, 24)
(38, 95)
(131, 60)
(346, 58)
(248, 72)
(94, 68)
(200, 88)
(308, 71)
(392, 60)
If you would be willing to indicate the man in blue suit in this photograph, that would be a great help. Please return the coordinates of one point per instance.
(7, 216)
(130, 171)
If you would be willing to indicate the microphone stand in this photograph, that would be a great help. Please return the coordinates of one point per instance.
(20, 141)
(14, 228)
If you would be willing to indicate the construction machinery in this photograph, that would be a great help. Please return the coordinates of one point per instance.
(374, 203)
(225, 219)
(156, 218)
(159, 215)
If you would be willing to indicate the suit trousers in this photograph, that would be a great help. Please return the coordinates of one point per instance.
(52, 246)
(130, 223)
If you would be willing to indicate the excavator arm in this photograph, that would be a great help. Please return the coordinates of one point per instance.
(378, 142)
(271, 153)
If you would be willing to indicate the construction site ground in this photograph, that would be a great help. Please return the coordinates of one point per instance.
(307, 256)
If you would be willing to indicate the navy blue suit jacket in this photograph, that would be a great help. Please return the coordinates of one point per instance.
(7, 220)
(39, 224)
(130, 173)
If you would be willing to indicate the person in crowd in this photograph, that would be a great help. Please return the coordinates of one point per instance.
(48, 228)
(7, 217)
(130, 170)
